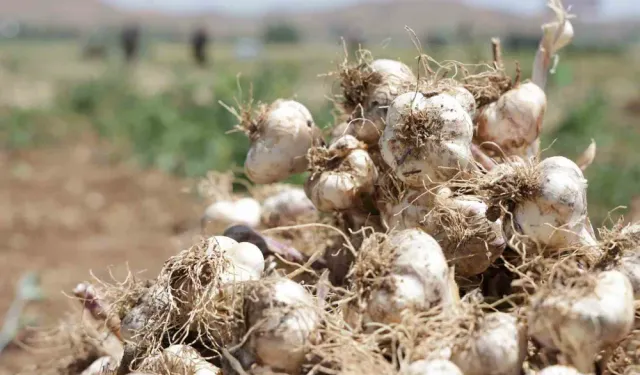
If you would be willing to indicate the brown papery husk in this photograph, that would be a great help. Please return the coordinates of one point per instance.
(625, 358)
(371, 270)
(357, 81)
(200, 311)
(614, 243)
(75, 343)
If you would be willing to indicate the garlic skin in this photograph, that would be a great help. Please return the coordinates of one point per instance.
(339, 187)
(279, 146)
(368, 123)
(246, 211)
(559, 370)
(446, 150)
(284, 319)
(179, 359)
(420, 275)
(286, 206)
(581, 326)
(246, 258)
(513, 122)
(556, 217)
(498, 347)
(465, 98)
(432, 367)
(338, 131)
(248, 263)
(410, 212)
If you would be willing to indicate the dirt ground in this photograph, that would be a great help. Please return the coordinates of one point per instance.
(67, 210)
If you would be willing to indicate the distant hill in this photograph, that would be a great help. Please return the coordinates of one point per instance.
(376, 19)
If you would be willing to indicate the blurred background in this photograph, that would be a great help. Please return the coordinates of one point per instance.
(109, 111)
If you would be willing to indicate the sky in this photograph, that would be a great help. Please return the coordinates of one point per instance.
(610, 8)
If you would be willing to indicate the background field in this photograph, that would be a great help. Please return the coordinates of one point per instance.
(97, 157)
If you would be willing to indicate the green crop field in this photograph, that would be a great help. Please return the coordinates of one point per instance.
(164, 112)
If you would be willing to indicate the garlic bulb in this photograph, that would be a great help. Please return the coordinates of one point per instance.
(559, 370)
(555, 216)
(419, 275)
(388, 77)
(469, 240)
(179, 359)
(432, 367)
(246, 211)
(464, 97)
(513, 123)
(579, 323)
(283, 319)
(280, 139)
(499, 346)
(286, 206)
(427, 139)
(344, 173)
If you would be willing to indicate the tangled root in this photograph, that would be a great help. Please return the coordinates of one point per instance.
(357, 81)
(625, 359)
(189, 304)
(615, 242)
(323, 158)
(437, 333)
(507, 184)
(345, 351)
(250, 119)
(390, 190)
(372, 268)
(420, 127)
(468, 239)
(460, 228)
(487, 87)
(74, 345)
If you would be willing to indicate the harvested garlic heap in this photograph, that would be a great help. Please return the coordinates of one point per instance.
(429, 238)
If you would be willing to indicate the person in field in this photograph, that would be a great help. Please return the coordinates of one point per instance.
(130, 40)
(199, 41)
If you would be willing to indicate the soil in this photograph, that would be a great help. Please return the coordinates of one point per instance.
(68, 210)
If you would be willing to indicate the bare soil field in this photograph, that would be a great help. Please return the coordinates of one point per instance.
(65, 210)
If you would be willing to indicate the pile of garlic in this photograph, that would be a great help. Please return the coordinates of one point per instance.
(455, 248)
